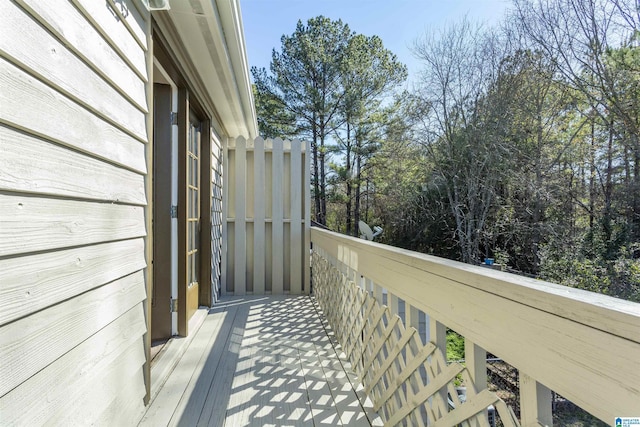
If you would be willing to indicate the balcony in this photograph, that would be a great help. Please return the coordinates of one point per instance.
(369, 347)
(261, 361)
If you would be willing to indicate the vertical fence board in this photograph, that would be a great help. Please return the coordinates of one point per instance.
(306, 209)
(296, 234)
(258, 218)
(240, 252)
(277, 229)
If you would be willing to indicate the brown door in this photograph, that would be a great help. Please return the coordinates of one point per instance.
(161, 291)
(193, 213)
(194, 172)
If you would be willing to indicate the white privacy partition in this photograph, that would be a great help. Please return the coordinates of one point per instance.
(266, 232)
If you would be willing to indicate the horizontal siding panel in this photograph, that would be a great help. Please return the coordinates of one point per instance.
(29, 164)
(89, 400)
(29, 224)
(31, 46)
(135, 21)
(107, 21)
(68, 24)
(53, 389)
(32, 343)
(34, 282)
(128, 407)
(29, 104)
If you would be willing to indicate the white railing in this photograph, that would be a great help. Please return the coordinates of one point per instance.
(581, 345)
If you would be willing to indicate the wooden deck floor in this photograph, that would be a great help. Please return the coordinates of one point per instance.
(267, 361)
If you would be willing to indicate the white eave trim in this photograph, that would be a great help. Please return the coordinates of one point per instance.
(210, 41)
(231, 17)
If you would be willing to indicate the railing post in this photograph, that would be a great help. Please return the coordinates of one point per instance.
(535, 402)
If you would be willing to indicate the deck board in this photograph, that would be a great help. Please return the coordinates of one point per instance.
(264, 361)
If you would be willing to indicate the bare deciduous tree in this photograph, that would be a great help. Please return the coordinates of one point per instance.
(461, 63)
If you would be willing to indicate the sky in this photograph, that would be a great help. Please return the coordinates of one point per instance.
(397, 22)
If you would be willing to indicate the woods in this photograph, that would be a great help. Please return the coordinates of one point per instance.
(519, 142)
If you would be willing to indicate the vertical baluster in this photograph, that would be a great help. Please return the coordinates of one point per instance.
(535, 402)
(412, 317)
(394, 303)
(377, 293)
(476, 361)
(438, 336)
(369, 286)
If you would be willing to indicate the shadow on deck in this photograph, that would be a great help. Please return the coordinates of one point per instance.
(261, 361)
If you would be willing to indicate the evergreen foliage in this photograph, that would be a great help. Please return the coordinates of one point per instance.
(519, 143)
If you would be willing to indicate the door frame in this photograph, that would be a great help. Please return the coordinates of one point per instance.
(187, 102)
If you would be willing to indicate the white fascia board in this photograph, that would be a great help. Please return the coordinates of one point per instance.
(231, 16)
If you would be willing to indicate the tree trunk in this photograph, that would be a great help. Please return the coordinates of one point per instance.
(592, 177)
(635, 191)
(350, 227)
(636, 198)
(357, 184)
(537, 207)
(316, 183)
(608, 195)
(323, 177)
